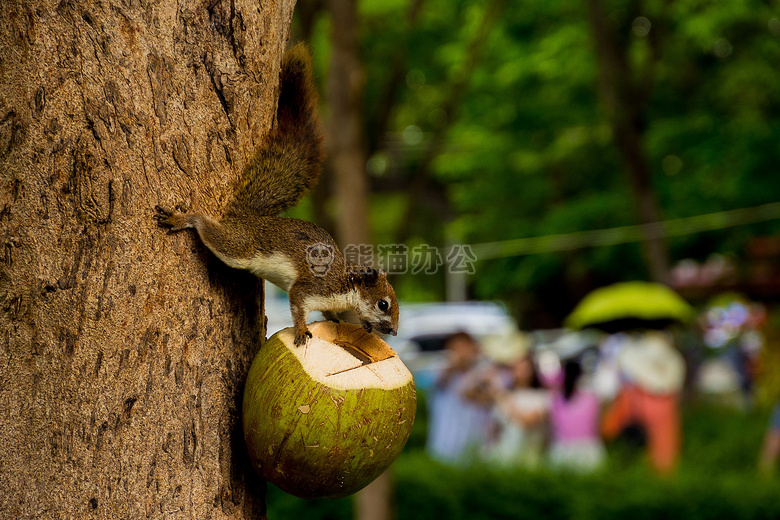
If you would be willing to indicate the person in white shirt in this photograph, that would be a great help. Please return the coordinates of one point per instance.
(459, 406)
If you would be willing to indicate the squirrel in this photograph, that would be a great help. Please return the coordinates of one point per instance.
(295, 255)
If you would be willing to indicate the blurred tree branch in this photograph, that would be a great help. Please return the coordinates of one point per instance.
(422, 188)
(378, 125)
(625, 100)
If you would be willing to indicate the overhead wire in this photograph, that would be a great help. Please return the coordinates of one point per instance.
(626, 234)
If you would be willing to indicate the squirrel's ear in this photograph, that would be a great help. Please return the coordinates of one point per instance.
(357, 275)
(363, 276)
(370, 276)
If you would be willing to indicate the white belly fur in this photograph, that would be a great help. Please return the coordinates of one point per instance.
(277, 268)
(334, 302)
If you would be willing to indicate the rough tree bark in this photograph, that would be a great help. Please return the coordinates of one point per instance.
(123, 349)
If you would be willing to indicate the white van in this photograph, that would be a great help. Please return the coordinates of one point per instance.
(423, 328)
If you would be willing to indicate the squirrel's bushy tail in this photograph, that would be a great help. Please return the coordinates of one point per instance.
(287, 163)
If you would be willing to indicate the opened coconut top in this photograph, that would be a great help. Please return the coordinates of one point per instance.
(345, 356)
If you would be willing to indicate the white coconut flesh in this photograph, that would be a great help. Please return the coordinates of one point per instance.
(345, 358)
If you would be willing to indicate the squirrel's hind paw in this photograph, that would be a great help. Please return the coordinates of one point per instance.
(172, 220)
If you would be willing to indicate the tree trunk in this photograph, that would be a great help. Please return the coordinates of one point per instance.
(124, 349)
(375, 501)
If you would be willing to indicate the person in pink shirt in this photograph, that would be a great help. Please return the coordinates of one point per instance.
(574, 420)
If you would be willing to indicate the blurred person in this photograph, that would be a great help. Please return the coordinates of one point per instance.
(750, 344)
(770, 450)
(647, 405)
(606, 378)
(519, 418)
(574, 422)
(459, 405)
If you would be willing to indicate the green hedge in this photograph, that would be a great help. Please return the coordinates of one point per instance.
(717, 479)
(424, 489)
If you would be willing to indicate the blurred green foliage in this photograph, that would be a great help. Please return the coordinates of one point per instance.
(523, 145)
(717, 479)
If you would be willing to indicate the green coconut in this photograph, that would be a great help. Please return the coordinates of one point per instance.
(327, 418)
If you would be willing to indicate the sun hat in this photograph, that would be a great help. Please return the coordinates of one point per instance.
(651, 362)
(506, 347)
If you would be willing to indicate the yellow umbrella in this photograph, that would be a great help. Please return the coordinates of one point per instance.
(628, 305)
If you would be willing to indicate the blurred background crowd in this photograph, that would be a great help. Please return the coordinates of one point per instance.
(511, 406)
(632, 354)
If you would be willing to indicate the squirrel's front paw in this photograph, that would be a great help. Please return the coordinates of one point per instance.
(301, 339)
(173, 220)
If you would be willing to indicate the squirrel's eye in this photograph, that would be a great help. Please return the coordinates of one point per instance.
(383, 305)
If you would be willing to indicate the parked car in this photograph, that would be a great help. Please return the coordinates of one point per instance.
(424, 327)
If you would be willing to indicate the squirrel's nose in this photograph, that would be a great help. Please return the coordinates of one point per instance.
(393, 332)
